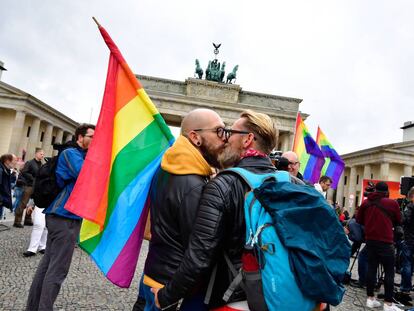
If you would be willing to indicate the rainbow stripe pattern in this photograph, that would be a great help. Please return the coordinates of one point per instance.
(112, 188)
(334, 165)
(310, 156)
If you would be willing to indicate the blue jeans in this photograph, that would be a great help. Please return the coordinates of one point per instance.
(406, 252)
(190, 304)
(362, 266)
(18, 191)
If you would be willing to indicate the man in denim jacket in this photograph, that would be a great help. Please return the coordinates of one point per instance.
(63, 226)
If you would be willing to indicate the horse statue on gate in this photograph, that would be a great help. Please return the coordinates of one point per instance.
(198, 70)
(222, 71)
(208, 71)
(232, 75)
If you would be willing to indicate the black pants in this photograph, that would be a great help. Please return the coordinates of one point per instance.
(54, 266)
(381, 252)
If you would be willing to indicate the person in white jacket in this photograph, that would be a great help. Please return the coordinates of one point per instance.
(323, 185)
(39, 232)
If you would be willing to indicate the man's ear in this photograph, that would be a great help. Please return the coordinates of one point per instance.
(194, 138)
(248, 140)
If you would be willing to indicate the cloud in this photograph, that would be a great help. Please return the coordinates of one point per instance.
(350, 62)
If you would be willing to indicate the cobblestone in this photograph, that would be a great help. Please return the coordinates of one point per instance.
(85, 288)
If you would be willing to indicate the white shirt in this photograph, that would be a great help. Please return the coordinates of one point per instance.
(319, 188)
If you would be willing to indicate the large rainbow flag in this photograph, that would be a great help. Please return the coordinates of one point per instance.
(310, 156)
(112, 188)
(334, 165)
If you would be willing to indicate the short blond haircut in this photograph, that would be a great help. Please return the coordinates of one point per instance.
(263, 127)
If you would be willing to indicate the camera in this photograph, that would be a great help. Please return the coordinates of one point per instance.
(281, 163)
(370, 188)
(406, 184)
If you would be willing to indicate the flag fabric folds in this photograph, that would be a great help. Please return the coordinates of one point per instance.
(310, 156)
(334, 165)
(112, 188)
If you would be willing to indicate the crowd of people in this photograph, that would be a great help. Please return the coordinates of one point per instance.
(382, 233)
(197, 238)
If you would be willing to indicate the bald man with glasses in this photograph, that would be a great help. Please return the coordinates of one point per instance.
(175, 192)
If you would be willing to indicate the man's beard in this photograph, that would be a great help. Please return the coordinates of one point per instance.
(210, 155)
(229, 157)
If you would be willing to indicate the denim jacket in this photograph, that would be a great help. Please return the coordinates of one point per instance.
(69, 164)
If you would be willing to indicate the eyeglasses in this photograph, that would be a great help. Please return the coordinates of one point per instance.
(90, 136)
(220, 131)
(230, 132)
(293, 163)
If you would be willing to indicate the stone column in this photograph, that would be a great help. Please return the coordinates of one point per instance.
(330, 195)
(285, 141)
(367, 171)
(47, 140)
(68, 137)
(17, 133)
(33, 139)
(58, 140)
(384, 171)
(408, 171)
(340, 189)
(352, 191)
(59, 136)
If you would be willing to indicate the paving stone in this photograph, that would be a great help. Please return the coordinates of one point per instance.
(85, 287)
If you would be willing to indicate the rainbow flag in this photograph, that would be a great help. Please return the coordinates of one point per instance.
(310, 156)
(334, 165)
(112, 188)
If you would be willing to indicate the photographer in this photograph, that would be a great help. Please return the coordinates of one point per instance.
(379, 215)
(407, 246)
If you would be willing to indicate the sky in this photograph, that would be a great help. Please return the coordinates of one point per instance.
(350, 61)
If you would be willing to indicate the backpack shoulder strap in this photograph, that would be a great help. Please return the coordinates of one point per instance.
(254, 180)
(378, 204)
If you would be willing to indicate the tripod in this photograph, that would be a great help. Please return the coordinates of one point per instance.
(348, 275)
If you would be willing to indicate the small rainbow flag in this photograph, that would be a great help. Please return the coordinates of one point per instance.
(112, 188)
(310, 156)
(334, 165)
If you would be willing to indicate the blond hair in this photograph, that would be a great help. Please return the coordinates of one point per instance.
(263, 127)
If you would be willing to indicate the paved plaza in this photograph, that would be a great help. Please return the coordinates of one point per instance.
(85, 288)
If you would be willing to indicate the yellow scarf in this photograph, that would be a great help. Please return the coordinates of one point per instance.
(183, 158)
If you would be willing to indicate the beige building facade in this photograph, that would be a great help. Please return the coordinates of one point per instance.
(27, 123)
(174, 99)
(387, 162)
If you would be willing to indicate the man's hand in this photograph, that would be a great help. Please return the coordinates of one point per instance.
(346, 230)
(155, 292)
(29, 210)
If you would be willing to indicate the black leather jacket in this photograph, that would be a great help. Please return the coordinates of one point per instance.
(408, 223)
(174, 205)
(219, 227)
(5, 187)
(28, 173)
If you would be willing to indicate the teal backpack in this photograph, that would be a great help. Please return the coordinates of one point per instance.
(277, 271)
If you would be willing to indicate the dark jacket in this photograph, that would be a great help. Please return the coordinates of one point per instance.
(408, 223)
(378, 226)
(219, 227)
(69, 165)
(5, 187)
(28, 173)
(174, 199)
(173, 209)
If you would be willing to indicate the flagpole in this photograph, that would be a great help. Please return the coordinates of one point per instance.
(96, 21)
(296, 128)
